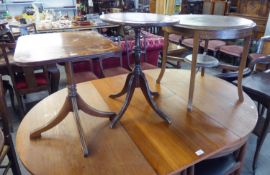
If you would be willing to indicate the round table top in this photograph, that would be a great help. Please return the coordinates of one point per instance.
(143, 143)
(213, 22)
(139, 19)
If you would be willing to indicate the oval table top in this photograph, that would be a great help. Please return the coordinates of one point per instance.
(143, 143)
(139, 19)
(213, 22)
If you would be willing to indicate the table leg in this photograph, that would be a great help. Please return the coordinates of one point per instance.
(137, 79)
(164, 56)
(73, 103)
(242, 67)
(193, 70)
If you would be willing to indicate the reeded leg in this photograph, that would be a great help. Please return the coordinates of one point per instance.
(193, 70)
(242, 66)
(164, 57)
(124, 90)
(147, 93)
(130, 90)
(78, 124)
(55, 121)
(73, 103)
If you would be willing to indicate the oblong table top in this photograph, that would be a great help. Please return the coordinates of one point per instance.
(139, 19)
(213, 22)
(143, 143)
(40, 49)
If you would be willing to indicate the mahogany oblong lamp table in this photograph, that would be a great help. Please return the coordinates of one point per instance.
(209, 27)
(41, 49)
(136, 79)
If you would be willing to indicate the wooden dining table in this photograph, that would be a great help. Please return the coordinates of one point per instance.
(142, 143)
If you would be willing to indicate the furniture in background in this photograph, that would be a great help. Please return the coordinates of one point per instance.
(137, 79)
(8, 149)
(262, 50)
(143, 140)
(233, 51)
(68, 47)
(26, 80)
(154, 45)
(257, 87)
(83, 71)
(215, 7)
(112, 71)
(5, 34)
(256, 10)
(192, 6)
(205, 27)
(23, 29)
(148, 42)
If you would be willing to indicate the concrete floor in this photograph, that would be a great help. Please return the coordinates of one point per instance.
(263, 164)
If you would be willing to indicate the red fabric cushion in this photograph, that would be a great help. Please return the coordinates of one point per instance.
(81, 66)
(188, 42)
(213, 45)
(40, 80)
(234, 50)
(84, 76)
(114, 71)
(175, 38)
(254, 56)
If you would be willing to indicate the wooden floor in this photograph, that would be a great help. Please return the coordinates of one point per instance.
(263, 167)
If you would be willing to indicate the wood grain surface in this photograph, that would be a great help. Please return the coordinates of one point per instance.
(49, 48)
(143, 143)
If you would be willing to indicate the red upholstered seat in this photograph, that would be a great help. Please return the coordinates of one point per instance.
(233, 50)
(114, 71)
(83, 71)
(84, 76)
(146, 66)
(254, 56)
(175, 38)
(41, 79)
(188, 42)
(213, 45)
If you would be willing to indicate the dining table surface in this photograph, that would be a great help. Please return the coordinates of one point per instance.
(141, 143)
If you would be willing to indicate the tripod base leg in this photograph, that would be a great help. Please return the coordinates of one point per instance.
(147, 93)
(130, 90)
(124, 90)
(92, 111)
(66, 108)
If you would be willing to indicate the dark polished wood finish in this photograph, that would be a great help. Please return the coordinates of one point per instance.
(136, 79)
(8, 149)
(207, 27)
(142, 143)
(66, 47)
(2, 140)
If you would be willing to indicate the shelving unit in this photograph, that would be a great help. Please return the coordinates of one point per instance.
(16, 7)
